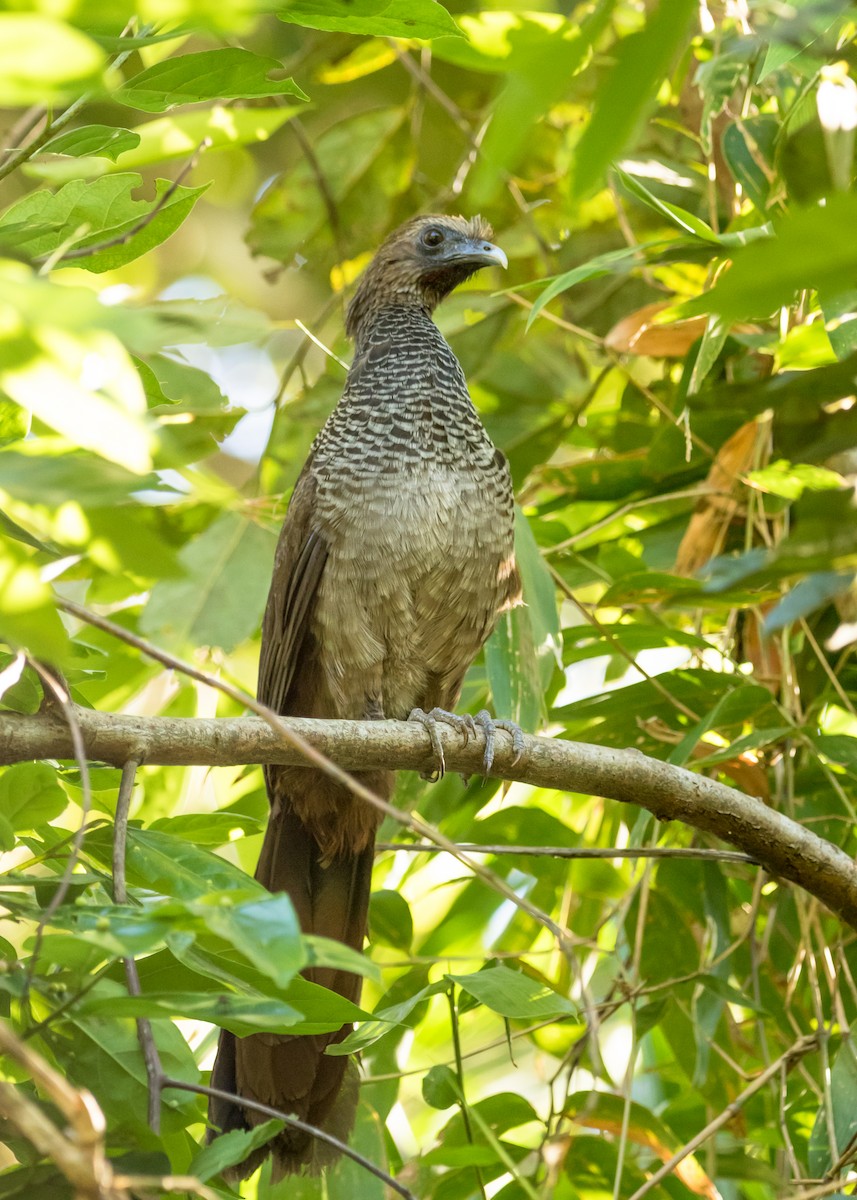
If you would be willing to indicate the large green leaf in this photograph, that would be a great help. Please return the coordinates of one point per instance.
(101, 218)
(230, 73)
(373, 18)
(43, 60)
(513, 994)
(102, 141)
(231, 1148)
(641, 61)
(539, 74)
(221, 599)
(825, 1143)
(240, 1015)
(811, 248)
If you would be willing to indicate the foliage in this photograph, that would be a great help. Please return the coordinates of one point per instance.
(669, 368)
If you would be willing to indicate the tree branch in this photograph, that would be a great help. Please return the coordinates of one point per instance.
(785, 848)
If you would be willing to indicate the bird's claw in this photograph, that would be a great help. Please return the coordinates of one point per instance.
(430, 721)
(490, 725)
(467, 726)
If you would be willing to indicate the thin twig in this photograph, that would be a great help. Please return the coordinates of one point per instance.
(459, 1071)
(303, 348)
(607, 852)
(321, 181)
(320, 1134)
(24, 127)
(425, 81)
(145, 1036)
(824, 1189)
(803, 1046)
(59, 694)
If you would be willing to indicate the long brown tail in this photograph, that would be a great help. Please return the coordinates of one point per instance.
(292, 1073)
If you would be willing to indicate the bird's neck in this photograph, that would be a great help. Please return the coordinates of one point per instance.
(370, 306)
(405, 327)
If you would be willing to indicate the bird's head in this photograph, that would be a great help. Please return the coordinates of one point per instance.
(421, 262)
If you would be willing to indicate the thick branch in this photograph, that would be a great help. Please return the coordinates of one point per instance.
(671, 793)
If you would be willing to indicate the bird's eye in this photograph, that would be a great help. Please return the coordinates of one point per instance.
(433, 237)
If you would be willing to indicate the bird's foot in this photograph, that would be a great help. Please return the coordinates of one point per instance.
(430, 722)
(466, 726)
(490, 725)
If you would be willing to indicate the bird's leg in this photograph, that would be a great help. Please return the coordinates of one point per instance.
(466, 725)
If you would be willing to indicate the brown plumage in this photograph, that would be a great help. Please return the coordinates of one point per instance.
(395, 558)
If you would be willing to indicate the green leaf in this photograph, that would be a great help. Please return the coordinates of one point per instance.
(241, 1015)
(524, 649)
(221, 599)
(782, 478)
(292, 210)
(105, 1056)
(369, 18)
(514, 995)
(843, 1106)
(641, 62)
(749, 147)
(266, 931)
(45, 472)
(824, 538)
(680, 217)
(540, 603)
(86, 216)
(840, 320)
(173, 867)
(102, 141)
(327, 952)
(618, 262)
(174, 137)
(230, 73)
(44, 60)
(497, 1115)
(808, 595)
(538, 77)
(838, 747)
(28, 616)
(382, 1019)
(30, 795)
(207, 829)
(230, 1149)
(812, 247)
(440, 1088)
(390, 920)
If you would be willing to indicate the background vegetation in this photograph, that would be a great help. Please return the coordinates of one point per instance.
(670, 369)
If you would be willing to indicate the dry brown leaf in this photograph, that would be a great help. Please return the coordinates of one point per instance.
(688, 1170)
(638, 334)
(715, 509)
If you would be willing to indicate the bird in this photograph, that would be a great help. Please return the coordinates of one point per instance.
(395, 560)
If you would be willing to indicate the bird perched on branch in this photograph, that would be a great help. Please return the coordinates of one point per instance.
(395, 559)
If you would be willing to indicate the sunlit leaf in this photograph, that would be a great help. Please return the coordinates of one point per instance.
(220, 601)
(230, 73)
(43, 59)
(398, 18)
(512, 994)
(640, 63)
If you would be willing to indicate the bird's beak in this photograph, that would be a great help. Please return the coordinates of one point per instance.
(477, 253)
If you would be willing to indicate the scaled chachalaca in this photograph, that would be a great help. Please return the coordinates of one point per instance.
(395, 558)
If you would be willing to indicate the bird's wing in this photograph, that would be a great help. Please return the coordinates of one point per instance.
(298, 567)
